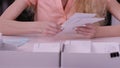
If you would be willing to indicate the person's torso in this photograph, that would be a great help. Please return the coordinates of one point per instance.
(53, 11)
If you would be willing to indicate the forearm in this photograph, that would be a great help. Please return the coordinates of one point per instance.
(17, 28)
(108, 31)
(114, 8)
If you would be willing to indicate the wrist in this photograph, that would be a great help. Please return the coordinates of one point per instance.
(36, 27)
(97, 31)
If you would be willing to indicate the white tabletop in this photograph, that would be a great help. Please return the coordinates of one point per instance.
(28, 47)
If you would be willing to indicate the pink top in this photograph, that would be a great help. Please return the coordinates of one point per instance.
(52, 10)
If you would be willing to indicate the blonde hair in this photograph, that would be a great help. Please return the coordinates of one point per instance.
(90, 6)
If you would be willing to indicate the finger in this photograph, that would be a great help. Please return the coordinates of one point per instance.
(47, 34)
(86, 35)
(53, 25)
(58, 27)
(53, 29)
(89, 24)
(50, 33)
(85, 27)
(90, 27)
(85, 30)
(93, 26)
(82, 33)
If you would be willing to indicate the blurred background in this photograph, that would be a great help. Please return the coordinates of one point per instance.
(26, 15)
(4, 4)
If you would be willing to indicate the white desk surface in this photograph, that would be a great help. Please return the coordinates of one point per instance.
(28, 47)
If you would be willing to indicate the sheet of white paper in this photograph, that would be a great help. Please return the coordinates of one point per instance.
(47, 47)
(15, 41)
(69, 27)
(78, 46)
(80, 22)
(82, 15)
(105, 47)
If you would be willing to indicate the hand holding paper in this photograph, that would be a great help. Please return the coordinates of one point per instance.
(78, 19)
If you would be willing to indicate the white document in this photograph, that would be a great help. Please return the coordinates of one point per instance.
(78, 20)
(78, 46)
(47, 47)
(15, 41)
(105, 47)
(81, 16)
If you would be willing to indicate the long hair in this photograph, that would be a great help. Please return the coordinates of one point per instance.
(91, 6)
(99, 7)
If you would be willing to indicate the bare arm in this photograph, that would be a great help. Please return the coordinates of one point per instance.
(111, 31)
(8, 27)
(91, 31)
(13, 11)
(108, 31)
(114, 8)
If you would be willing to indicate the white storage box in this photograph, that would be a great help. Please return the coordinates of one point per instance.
(71, 58)
(69, 54)
(47, 58)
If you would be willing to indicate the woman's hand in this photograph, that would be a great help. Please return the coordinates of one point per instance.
(48, 28)
(87, 31)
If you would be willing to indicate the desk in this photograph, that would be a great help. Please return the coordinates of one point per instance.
(28, 47)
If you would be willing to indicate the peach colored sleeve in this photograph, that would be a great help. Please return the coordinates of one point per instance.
(31, 2)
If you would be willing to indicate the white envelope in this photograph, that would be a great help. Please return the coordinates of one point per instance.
(82, 15)
(76, 46)
(47, 47)
(105, 47)
(69, 27)
(80, 22)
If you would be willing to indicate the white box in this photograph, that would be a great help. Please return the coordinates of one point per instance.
(47, 47)
(105, 47)
(47, 57)
(77, 46)
(76, 59)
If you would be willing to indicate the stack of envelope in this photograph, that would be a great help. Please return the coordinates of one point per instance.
(78, 19)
